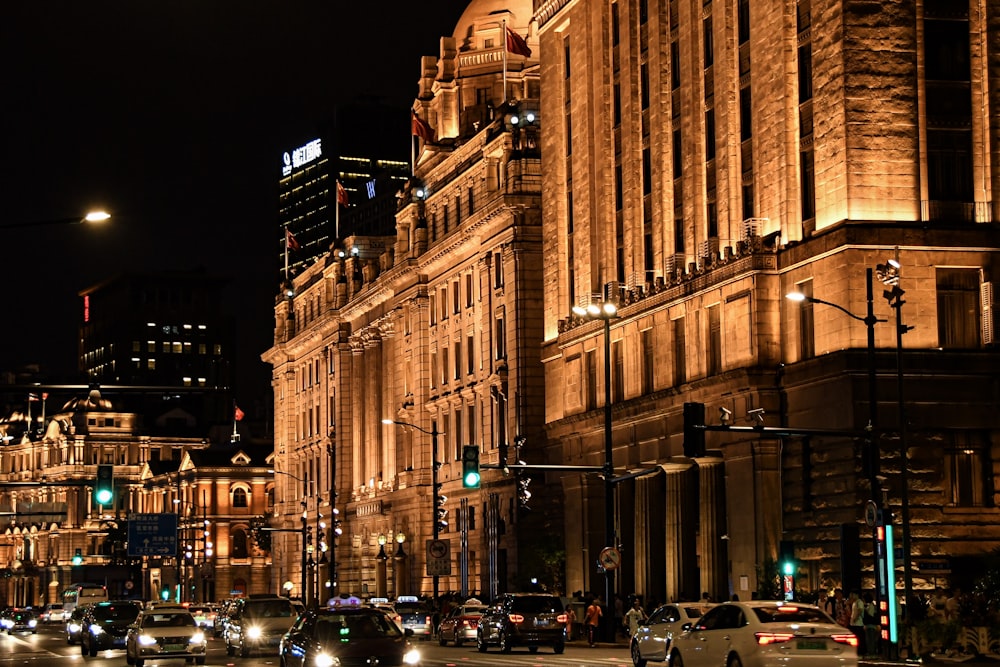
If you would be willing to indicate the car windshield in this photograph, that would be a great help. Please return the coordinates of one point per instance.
(536, 604)
(472, 611)
(274, 609)
(791, 614)
(410, 608)
(23, 616)
(168, 620)
(115, 612)
(694, 612)
(336, 628)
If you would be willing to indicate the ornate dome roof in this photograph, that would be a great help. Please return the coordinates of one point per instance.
(520, 11)
(93, 402)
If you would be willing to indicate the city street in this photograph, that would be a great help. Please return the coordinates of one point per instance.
(49, 648)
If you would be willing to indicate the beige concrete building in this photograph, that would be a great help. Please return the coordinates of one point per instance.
(701, 159)
(435, 329)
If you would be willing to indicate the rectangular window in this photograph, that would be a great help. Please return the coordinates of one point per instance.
(617, 372)
(443, 304)
(590, 386)
(680, 353)
(471, 415)
(501, 336)
(708, 40)
(675, 65)
(969, 471)
(470, 353)
(644, 85)
(497, 270)
(805, 73)
(714, 341)
(432, 308)
(444, 365)
(808, 169)
(710, 134)
(647, 171)
(958, 308)
(433, 370)
(472, 206)
(646, 341)
(615, 25)
(746, 115)
(807, 333)
(456, 298)
(458, 359)
(458, 435)
(470, 295)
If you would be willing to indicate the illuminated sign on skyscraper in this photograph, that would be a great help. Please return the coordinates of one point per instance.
(301, 156)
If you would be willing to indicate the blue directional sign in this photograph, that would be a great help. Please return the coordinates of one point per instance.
(152, 535)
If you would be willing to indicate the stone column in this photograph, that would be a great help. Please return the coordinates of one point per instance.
(650, 543)
(714, 564)
(681, 554)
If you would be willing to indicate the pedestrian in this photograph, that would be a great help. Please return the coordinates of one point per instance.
(705, 598)
(570, 620)
(871, 624)
(634, 617)
(619, 615)
(834, 606)
(593, 620)
(857, 620)
(953, 605)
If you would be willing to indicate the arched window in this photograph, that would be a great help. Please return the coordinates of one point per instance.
(240, 497)
(238, 544)
(270, 498)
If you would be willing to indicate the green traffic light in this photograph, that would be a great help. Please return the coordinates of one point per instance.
(104, 496)
(78, 557)
(472, 479)
(788, 568)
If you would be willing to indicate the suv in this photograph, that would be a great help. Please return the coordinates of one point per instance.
(105, 625)
(415, 615)
(523, 619)
(258, 622)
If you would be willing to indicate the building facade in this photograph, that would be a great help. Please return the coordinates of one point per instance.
(397, 351)
(702, 159)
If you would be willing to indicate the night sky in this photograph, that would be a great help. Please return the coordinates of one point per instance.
(173, 116)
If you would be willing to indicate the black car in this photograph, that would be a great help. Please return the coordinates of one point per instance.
(105, 625)
(523, 619)
(20, 620)
(347, 636)
(74, 624)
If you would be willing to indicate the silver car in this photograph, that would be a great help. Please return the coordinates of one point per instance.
(652, 639)
(165, 633)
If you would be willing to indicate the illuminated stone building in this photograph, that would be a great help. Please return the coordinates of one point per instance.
(435, 328)
(701, 159)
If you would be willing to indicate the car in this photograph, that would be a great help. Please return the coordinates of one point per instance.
(222, 616)
(19, 620)
(258, 624)
(105, 625)
(652, 639)
(761, 633)
(461, 623)
(346, 635)
(204, 615)
(52, 613)
(523, 619)
(164, 633)
(415, 615)
(74, 624)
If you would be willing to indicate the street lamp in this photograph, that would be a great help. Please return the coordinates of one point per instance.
(435, 486)
(380, 567)
(871, 458)
(889, 273)
(606, 311)
(92, 217)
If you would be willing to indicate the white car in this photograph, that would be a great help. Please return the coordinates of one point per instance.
(652, 639)
(760, 633)
(165, 633)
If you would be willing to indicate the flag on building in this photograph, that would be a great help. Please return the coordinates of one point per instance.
(341, 194)
(238, 414)
(517, 44)
(290, 241)
(420, 128)
(33, 397)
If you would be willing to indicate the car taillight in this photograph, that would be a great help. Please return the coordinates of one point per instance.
(561, 618)
(427, 620)
(764, 638)
(850, 639)
(515, 618)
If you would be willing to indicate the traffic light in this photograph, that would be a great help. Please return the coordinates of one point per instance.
(694, 438)
(786, 568)
(470, 467)
(441, 514)
(104, 487)
(78, 557)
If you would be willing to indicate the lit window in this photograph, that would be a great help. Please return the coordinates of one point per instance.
(187, 381)
(202, 327)
(187, 326)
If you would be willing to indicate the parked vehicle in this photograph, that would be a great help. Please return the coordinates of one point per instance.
(761, 633)
(461, 624)
(164, 633)
(105, 625)
(653, 639)
(258, 624)
(523, 619)
(349, 636)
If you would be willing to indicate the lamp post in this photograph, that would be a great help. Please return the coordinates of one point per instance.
(435, 486)
(871, 456)
(606, 311)
(92, 217)
(380, 567)
(889, 273)
(400, 558)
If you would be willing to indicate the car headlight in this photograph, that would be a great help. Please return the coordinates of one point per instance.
(411, 657)
(326, 660)
(198, 638)
(73, 627)
(253, 632)
(32, 623)
(146, 640)
(96, 629)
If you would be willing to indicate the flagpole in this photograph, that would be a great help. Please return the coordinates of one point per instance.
(336, 216)
(413, 150)
(503, 40)
(286, 261)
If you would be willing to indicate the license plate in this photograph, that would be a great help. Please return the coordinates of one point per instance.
(541, 622)
(173, 647)
(811, 644)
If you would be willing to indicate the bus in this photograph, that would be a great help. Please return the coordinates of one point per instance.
(81, 594)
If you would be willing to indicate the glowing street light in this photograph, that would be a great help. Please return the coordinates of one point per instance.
(92, 217)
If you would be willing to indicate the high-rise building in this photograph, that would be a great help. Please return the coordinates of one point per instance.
(311, 206)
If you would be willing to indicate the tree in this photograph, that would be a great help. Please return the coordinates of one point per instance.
(261, 537)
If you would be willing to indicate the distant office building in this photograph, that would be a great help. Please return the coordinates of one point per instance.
(163, 329)
(310, 172)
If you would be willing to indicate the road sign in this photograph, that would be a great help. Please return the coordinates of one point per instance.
(152, 535)
(610, 558)
(438, 558)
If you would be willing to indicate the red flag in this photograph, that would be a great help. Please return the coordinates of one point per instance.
(420, 128)
(45, 395)
(517, 44)
(239, 413)
(341, 194)
(290, 241)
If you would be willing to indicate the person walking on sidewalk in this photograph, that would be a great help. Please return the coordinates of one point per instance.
(593, 620)
(633, 617)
